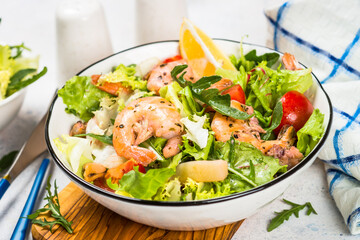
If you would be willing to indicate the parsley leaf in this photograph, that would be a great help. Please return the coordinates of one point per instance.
(285, 214)
(53, 207)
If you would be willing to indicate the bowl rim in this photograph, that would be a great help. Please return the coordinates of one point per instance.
(12, 97)
(262, 187)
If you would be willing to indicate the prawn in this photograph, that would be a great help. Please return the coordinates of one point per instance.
(249, 131)
(290, 62)
(160, 76)
(142, 119)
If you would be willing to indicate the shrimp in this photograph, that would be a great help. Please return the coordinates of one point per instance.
(249, 131)
(142, 119)
(161, 75)
(115, 89)
(290, 62)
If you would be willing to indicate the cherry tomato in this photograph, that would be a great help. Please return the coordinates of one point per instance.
(172, 59)
(297, 109)
(236, 93)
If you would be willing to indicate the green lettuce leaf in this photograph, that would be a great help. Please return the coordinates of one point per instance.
(269, 58)
(145, 186)
(310, 134)
(125, 75)
(81, 97)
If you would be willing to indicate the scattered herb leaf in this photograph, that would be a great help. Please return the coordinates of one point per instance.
(7, 160)
(18, 50)
(102, 138)
(285, 214)
(275, 121)
(53, 206)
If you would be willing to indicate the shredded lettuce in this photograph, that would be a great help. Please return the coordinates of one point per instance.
(200, 190)
(195, 130)
(171, 191)
(76, 151)
(81, 97)
(125, 75)
(310, 134)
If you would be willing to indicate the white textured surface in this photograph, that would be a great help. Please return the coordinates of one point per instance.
(33, 22)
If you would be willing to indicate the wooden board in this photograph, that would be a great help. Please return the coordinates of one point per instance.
(93, 221)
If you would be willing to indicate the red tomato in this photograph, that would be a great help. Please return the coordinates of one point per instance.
(172, 59)
(129, 165)
(297, 109)
(236, 93)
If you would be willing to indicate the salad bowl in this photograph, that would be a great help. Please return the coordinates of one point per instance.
(187, 215)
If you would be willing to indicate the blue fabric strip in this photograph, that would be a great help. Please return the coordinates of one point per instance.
(278, 19)
(345, 160)
(343, 57)
(346, 115)
(335, 178)
(336, 138)
(353, 217)
(314, 48)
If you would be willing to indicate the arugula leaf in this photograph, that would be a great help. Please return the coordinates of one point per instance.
(285, 214)
(18, 50)
(16, 86)
(102, 138)
(275, 121)
(19, 75)
(7, 160)
(156, 144)
(53, 207)
(145, 186)
(270, 58)
(211, 97)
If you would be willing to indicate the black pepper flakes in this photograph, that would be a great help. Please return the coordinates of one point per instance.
(231, 125)
(162, 101)
(178, 124)
(121, 126)
(163, 65)
(236, 136)
(166, 83)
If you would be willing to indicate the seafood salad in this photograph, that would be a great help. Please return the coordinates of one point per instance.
(159, 130)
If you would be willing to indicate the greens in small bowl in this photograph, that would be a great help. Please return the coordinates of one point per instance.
(218, 159)
(16, 73)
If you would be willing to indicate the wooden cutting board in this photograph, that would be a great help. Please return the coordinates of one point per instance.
(93, 221)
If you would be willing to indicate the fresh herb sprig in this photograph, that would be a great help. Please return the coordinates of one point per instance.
(53, 207)
(211, 97)
(285, 214)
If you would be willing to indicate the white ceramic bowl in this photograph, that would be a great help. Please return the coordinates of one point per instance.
(193, 215)
(9, 107)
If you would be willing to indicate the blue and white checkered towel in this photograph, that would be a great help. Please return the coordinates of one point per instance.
(325, 34)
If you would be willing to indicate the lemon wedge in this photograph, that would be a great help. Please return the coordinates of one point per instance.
(202, 54)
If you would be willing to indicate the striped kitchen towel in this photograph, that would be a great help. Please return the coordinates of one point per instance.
(325, 34)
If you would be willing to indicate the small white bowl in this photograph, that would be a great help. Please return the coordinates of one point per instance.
(10, 106)
(192, 215)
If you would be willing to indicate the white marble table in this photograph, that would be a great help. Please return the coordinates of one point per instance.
(33, 22)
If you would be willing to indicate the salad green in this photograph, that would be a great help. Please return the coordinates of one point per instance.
(16, 71)
(263, 81)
